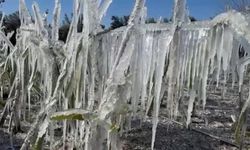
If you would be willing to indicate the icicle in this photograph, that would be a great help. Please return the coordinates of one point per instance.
(194, 60)
(214, 42)
(39, 21)
(103, 8)
(87, 135)
(234, 61)
(135, 81)
(1, 21)
(227, 48)
(56, 20)
(151, 73)
(205, 70)
(146, 62)
(219, 53)
(179, 12)
(143, 15)
(65, 124)
(90, 17)
(190, 106)
(182, 56)
(241, 69)
(162, 51)
(186, 63)
(1, 92)
(73, 26)
(29, 97)
(24, 13)
(189, 59)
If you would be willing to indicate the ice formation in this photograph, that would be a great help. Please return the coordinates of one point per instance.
(113, 77)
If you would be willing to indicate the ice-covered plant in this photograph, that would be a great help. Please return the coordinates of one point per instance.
(95, 83)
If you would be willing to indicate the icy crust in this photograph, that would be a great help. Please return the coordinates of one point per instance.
(236, 21)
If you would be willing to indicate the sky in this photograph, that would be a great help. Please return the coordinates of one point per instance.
(200, 9)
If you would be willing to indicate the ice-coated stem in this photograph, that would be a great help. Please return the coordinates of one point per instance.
(139, 5)
(56, 20)
(103, 8)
